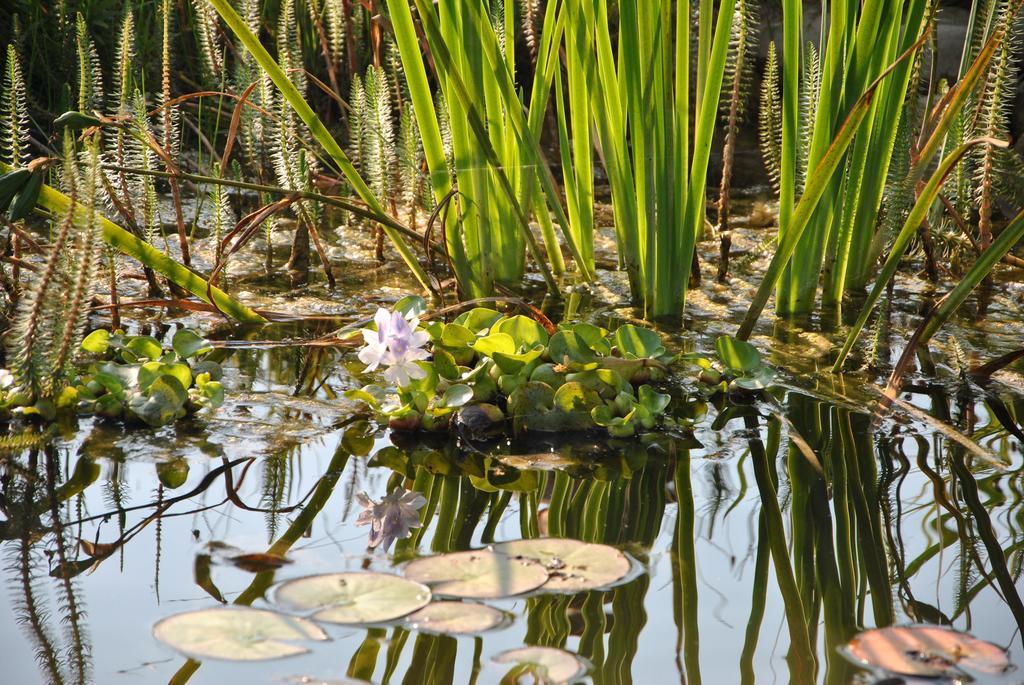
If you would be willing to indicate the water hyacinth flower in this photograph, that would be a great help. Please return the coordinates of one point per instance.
(397, 345)
(393, 518)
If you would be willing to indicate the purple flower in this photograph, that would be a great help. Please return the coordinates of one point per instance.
(393, 518)
(397, 345)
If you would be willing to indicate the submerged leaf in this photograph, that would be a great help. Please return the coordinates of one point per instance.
(929, 651)
(546, 664)
(357, 597)
(477, 574)
(456, 618)
(236, 634)
(573, 566)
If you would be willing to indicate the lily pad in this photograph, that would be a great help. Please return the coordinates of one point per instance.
(457, 618)
(359, 597)
(236, 634)
(925, 650)
(573, 566)
(477, 574)
(545, 664)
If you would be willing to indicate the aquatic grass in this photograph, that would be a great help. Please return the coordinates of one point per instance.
(816, 185)
(57, 203)
(862, 44)
(640, 108)
(492, 144)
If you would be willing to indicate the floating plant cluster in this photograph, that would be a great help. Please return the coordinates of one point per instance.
(130, 377)
(440, 594)
(484, 370)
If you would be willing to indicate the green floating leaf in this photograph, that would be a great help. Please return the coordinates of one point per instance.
(456, 335)
(457, 618)
(636, 343)
(524, 331)
(457, 396)
(145, 346)
(97, 342)
(236, 634)
(547, 665)
(478, 319)
(356, 597)
(188, 344)
(163, 402)
(495, 342)
(567, 346)
(411, 305)
(573, 566)
(477, 574)
(738, 356)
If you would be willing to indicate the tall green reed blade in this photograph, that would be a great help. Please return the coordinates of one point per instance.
(640, 109)
(316, 128)
(430, 130)
(815, 187)
(861, 42)
(917, 214)
(496, 71)
(56, 202)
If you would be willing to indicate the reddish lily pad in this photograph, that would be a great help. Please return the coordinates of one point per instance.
(928, 651)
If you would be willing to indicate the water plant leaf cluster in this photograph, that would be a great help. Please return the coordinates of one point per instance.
(485, 369)
(736, 368)
(130, 377)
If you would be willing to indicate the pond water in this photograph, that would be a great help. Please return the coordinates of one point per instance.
(751, 565)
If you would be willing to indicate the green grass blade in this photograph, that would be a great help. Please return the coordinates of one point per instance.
(815, 187)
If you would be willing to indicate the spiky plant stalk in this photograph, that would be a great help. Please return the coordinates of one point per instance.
(810, 88)
(14, 143)
(14, 137)
(170, 133)
(208, 39)
(993, 122)
(769, 119)
(52, 312)
(738, 74)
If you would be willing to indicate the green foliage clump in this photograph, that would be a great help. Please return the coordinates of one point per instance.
(487, 369)
(138, 379)
(737, 368)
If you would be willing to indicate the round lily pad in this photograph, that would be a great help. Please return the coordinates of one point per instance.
(236, 634)
(457, 618)
(477, 574)
(927, 651)
(545, 664)
(358, 597)
(573, 566)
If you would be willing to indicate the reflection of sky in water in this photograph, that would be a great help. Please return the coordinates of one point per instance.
(121, 602)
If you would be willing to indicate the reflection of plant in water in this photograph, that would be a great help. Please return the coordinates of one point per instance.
(32, 498)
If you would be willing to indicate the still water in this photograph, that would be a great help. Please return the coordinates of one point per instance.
(753, 566)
